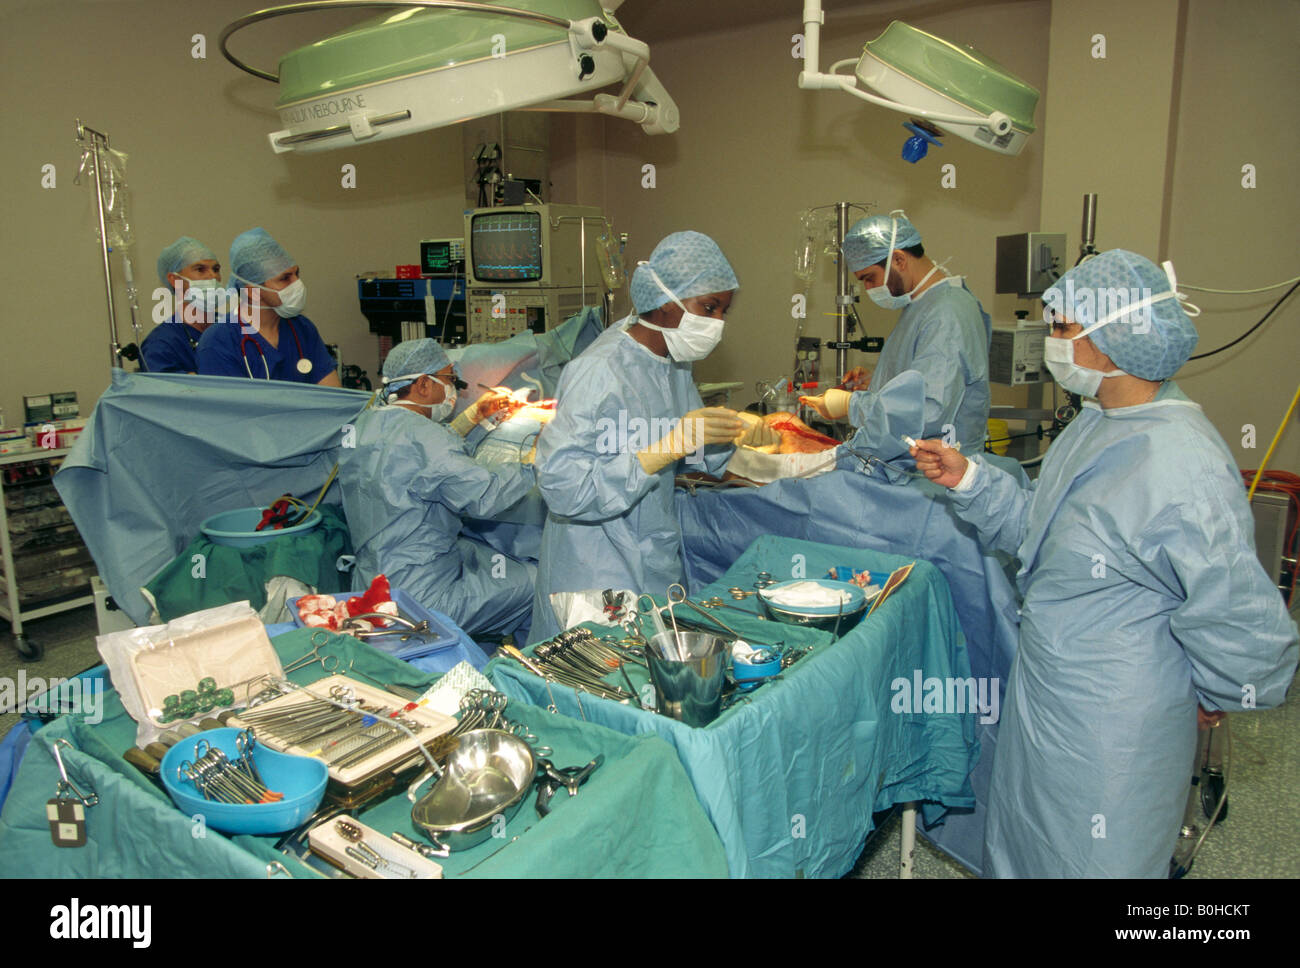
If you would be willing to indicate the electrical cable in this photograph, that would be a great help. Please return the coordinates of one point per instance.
(1262, 321)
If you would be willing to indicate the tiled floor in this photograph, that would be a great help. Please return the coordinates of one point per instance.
(1260, 838)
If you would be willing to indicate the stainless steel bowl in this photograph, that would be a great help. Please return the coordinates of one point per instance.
(837, 623)
(486, 776)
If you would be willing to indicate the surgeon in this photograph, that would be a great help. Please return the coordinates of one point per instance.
(943, 332)
(1142, 593)
(628, 416)
(275, 341)
(191, 271)
(408, 481)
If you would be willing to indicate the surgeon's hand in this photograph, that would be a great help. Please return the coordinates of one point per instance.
(496, 400)
(832, 405)
(858, 378)
(756, 432)
(941, 464)
(708, 425)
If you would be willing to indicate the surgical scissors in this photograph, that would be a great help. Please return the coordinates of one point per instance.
(683, 600)
(318, 639)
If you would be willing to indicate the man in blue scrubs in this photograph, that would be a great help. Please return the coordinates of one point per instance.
(275, 341)
(191, 271)
(943, 333)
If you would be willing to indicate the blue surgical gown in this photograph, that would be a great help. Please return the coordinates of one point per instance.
(1142, 596)
(171, 348)
(609, 524)
(944, 334)
(406, 484)
(224, 352)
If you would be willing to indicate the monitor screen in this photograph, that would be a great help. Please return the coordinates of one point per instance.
(507, 246)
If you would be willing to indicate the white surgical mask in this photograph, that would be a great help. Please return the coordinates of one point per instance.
(1058, 354)
(293, 299)
(695, 336)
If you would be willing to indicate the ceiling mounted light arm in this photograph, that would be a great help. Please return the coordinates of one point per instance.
(928, 78)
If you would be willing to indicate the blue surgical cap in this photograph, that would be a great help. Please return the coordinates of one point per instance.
(256, 257)
(1149, 340)
(689, 264)
(410, 360)
(867, 242)
(182, 253)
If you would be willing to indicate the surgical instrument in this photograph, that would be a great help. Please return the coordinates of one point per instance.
(318, 639)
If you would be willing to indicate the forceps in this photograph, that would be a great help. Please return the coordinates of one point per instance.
(307, 658)
(683, 600)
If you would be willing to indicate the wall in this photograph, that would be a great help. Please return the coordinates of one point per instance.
(195, 131)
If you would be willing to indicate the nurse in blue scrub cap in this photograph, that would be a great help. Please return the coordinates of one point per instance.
(191, 270)
(628, 416)
(1142, 593)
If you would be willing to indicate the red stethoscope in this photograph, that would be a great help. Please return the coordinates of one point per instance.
(304, 364)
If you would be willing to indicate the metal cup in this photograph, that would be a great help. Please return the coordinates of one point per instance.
(689, 688)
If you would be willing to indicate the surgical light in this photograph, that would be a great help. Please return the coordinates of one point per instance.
(939, 83)
(436, 62)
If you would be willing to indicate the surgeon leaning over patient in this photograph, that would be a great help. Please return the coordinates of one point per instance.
(274, 341)
(628, 413)
(408, 481)
(1142, 592)
(943, 332)
(190, 270)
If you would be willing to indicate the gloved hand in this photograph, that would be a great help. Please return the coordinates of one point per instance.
(832, 405)
(708, 425)
(941, 464)
(494, 401)
(756, 432)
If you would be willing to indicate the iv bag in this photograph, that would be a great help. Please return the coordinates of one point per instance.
(610, 256)
(112, 185)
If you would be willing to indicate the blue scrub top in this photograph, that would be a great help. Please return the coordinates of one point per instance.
(222, 352)
(171, 348)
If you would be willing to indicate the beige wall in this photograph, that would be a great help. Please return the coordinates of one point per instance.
(200, 165)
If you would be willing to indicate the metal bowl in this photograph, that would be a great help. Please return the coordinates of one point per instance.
(826, 618)
(487, 775)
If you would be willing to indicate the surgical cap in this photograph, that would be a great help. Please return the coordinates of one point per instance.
(410, 360)
(689, 264)
(867, 242)
(1149, 341)
(182, 253)
(256, 257)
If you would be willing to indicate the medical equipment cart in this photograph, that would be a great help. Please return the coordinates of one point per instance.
(47, 568)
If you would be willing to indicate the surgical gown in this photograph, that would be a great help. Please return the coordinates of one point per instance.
(609, 523)
(944, 334)
(405, 485)
(1142, 595)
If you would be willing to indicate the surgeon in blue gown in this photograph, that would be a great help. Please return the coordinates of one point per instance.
(191, 270)
(943, 332)
(273, 339)
(406, 484)
(1142, 593)
(628, 417)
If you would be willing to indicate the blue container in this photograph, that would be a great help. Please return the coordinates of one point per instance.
(235, 529)
(750, 675)
(300, 778)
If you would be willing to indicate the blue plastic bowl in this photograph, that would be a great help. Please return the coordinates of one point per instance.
(235, 529)
(748, 675)
(300, 778)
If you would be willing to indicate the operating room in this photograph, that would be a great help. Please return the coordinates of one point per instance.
(882, 578)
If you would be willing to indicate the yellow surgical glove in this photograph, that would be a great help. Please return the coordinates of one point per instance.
(833, 404)
(756, 433)
(708, 425)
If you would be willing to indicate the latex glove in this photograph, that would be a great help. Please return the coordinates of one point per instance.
(756, 432)
(858, 378)
(496, 400)
(941, 464)
(832, 405)
(708, 425)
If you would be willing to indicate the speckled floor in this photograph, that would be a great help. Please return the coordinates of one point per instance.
(1260, 838)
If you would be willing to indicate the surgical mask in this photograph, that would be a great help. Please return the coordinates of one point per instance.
(695, 336)
(439, 412)
(293, 299)
(880, 295)
(1058, 354)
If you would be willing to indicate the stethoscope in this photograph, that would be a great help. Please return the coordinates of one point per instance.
(304, 364)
